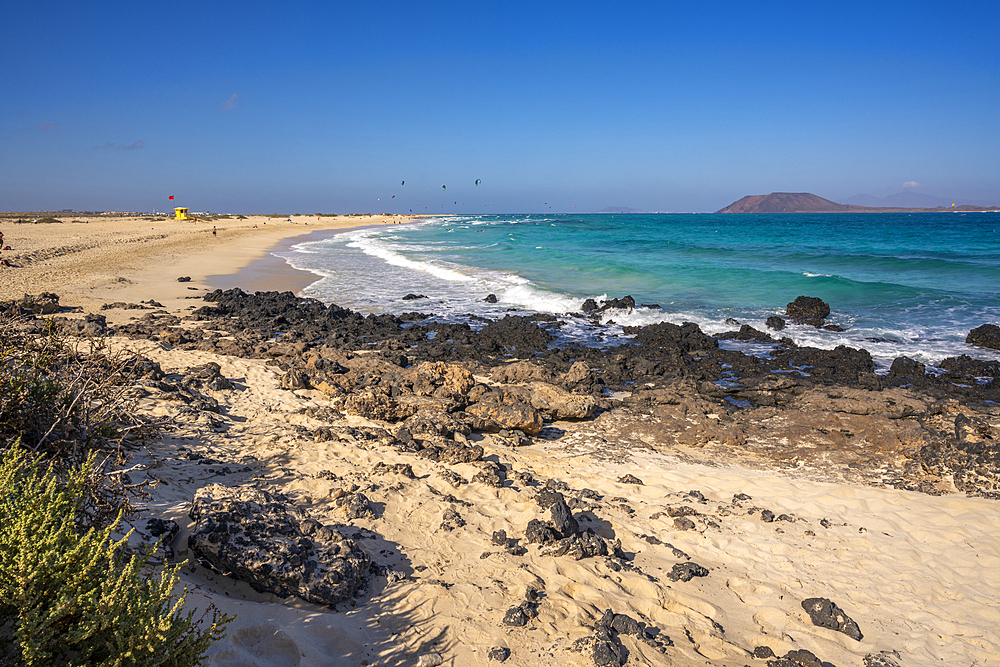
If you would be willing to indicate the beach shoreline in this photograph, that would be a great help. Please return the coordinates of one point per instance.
(102, 260)
(274, 273)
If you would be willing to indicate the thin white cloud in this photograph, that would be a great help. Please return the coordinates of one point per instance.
(909, 185)
(121, 147)
(229, 103)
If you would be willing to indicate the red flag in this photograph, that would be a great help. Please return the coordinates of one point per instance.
(170, 197)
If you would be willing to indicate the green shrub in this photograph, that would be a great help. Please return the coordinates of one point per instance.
(73, 597)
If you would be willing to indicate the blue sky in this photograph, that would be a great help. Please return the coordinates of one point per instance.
(328, 106)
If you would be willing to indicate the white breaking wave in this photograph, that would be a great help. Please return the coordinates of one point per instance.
(383, 252)
(369, 271)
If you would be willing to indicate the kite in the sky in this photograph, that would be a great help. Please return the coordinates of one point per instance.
(478, 181)
(402, 182)
(443, 188)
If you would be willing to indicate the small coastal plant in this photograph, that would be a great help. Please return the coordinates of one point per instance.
(72, 597)
(71, 594)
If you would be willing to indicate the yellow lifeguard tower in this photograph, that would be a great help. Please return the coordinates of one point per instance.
(182, 214)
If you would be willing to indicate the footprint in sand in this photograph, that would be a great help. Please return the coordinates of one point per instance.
(259, 646)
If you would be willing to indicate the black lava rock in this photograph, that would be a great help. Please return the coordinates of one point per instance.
(797, 658)
(608, 653)
(906, 368)
(763, 652)
(539, 532)
(515, 617)
(499, 653)
(827, 614)
(987, 335)
(562, 519)
(264, 540)
(807, 310)
(775, 322)
(687, 571)
(624, 624)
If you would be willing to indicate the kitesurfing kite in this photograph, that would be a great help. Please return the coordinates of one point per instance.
(443, 188)
(478, 181)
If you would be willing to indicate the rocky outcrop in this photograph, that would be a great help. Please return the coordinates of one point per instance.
(808, 310)
(262, 539)
(377, 405)
(686, 337)
(556, 403)
(987, 335)
(518, 335)
(507, 414)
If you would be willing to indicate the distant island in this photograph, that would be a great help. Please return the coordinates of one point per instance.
(806, 202)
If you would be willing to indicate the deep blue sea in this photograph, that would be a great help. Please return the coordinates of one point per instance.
(899, 284)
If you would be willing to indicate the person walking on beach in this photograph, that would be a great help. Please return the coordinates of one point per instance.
(213, 230)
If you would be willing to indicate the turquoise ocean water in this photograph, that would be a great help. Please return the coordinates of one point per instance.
(899, 284)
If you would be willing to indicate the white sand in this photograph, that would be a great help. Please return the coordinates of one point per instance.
(914, 571)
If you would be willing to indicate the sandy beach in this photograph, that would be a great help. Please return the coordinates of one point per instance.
(711, 544)
(90, 261)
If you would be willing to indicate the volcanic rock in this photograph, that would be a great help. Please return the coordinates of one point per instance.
(687, 571)
(987, 335)
(687, 337)
(556, 403)
(520, 371)
(827, 614)
(907, 368)
(254, 536)
(515, 416)
(45, 303)
(797, 658)
(376, 405)
(518, 336)
(498, 653)
(807, 310)
(966, 365)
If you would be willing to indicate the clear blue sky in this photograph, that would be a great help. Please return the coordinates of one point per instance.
(327, 106)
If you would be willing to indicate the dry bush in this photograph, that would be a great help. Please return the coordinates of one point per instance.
(65, 398)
